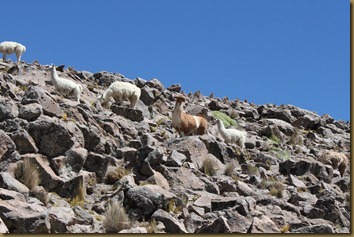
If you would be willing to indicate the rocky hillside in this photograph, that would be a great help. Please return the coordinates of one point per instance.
(80, 168)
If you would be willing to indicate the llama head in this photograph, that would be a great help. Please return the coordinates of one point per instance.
(179, 98)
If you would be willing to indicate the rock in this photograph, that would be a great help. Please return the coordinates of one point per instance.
(155, 83)
(75, 158)
(175, 159)
(131, 114)
(10, 183)
(172, 225)
(48, 179)
(142, 201)
(3, 228)
(60, 219)
(220, 225)
(71, 189)
(8, 195)
(308, 122)
(53, 137)
(21, 217)
(134, 230)
(318, 229)
(7, 146)
(93, 138)
(283, 126)
(224, 203)
(147, 96)
(193, 222)
(35, 94)
(263, 225)
(97, 163)
(30, 112)
(82, 216)
(175, 88)
(8, 109)
(24, 142)
(296, 182)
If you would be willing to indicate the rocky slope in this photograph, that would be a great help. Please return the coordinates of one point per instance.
(88, 157)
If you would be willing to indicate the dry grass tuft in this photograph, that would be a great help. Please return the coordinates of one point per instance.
(116, 218)
(230, 167)
(113, 176)
(79, 199)
(27, 173)
(208, 167)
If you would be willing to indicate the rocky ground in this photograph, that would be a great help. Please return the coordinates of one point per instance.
(88, 157)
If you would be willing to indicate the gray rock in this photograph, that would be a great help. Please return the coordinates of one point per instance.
(220, 225)
(142, 201)
(192, 222)
(24, 142)
(175, 159)
(21, 217)
(47, 176)
(8, 109)
(35, 94)
(53, 137)
(97, 163)
(318, 229)
(3, 228)
(147, 96)
(9, 194)
(131, 114)
(172, 225)
(7, 146)
(9, 182)
(30, 112)
(60, 219)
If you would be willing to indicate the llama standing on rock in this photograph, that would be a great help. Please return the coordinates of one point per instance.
(64, 86)
(120, 91)
(9, 47)
(335, 159)
(232, 135)
(187, 124)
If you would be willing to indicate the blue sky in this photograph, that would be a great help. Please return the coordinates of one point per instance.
(266, 51)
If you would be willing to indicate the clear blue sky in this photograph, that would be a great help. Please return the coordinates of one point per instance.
(266, 51)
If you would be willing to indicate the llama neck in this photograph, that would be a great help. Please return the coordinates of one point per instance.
(178, 109)
(221, 127)
(54, 75)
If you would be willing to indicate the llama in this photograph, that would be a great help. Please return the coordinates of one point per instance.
(187, 124)
(232, 135)
(9, 47)
(64, 86)
(335, 159)
(120, 91)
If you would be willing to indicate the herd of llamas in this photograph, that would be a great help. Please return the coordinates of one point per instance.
(184, 123)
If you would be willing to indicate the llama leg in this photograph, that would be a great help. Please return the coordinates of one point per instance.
(3, 57)
(133, 101)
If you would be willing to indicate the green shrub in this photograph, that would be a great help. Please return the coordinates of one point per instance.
(280, 154)
(227, 121)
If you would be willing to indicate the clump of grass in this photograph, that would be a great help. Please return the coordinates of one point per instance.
(65, 116)
(296, 138)
(116, 218)
(285, 228)
(230, 167)
(250, 169)
(275, 187)
(152, 228)
(208, 167)
(280, 154)
(227, 121)
(27, 173)
(79, 199)
(113, 176)
(273, 138)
